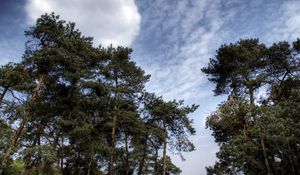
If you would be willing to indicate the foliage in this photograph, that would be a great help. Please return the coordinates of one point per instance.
(71, 108)
(257, 135)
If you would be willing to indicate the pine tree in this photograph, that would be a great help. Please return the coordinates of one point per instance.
(80, 109)
(241, 125)
(171, 118)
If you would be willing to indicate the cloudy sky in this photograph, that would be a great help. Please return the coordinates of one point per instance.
(172, 40)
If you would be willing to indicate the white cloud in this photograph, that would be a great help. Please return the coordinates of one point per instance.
(185, 47)
(183, 35)
(108, 21)
(188, 34)
(287, 25)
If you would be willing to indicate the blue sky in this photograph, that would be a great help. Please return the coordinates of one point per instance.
(172, 41)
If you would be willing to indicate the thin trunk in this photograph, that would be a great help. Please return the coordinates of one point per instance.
(244, 131)
(292, 165)
(234, 85)
(156, 161)
(126, 154)
(143, 158)
(262, 142)
(12, 145)
(296, 154)
(269, 172)
(89, 166)
(266, 160)
(39, 154)
(142, 162)
(29, 156)
(20, 129)
(3, 94)
(113, 137)
(164, 151)
(62, 155)
(245, 127)
(113, 132)
(290, 158)
(251, 96)
(55, 144)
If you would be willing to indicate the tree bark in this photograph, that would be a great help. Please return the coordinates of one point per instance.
(290, 158)
(89, 166)
(62, 155)
(164, 151)
(20, 129)
(113, 137)
(3, 94)
(126, 154)
(262, 142)
(142, 163)
(269, 172)
(12, 145)
(296, 154)
(156, 161)
(113, 131)
(143, 158)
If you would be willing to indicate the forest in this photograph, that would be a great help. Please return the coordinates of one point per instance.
(69, 107)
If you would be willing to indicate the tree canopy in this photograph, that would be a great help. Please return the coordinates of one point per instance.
(256, 134)
(71, 108)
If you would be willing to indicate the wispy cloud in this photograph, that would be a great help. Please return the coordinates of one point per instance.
(287, 25)
(113, 21)
(186, 32)
(173, 40)
(179, 37)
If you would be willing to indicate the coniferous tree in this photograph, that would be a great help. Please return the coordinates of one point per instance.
(249, 130)
(171, 118)
(71, 108)
(125, 82)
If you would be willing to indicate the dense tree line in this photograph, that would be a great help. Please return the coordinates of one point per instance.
(257, 134)
(71, 108)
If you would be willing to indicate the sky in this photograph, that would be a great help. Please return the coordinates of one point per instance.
(172, 40)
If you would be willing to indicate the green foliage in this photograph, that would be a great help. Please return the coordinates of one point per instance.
(256, 136)
(237, 66)
(71, 108)
(170, 167)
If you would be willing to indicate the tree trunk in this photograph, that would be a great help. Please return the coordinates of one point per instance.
(143, 158)
(292, 165)
(3, 94)
(126, 154)
(113, 137)
(234, 85)
(269, 172)
(156, 161)
(262, 142)
(296, 154)
(164, 151)
(12, 145)
(62, 155)
(291, 158)
(56, 143)
(89, 166)
(251, 96)
(39, 153)
(113, 132)
(142, 163)
(20, 129)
